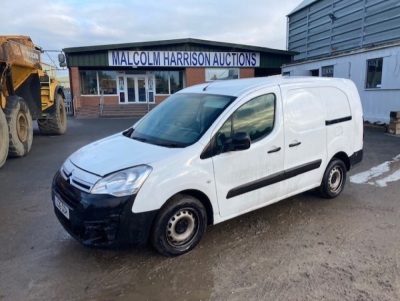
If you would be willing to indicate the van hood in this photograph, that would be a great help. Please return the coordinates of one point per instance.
(115, 153)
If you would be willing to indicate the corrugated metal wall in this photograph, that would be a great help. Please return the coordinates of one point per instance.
(330, 26)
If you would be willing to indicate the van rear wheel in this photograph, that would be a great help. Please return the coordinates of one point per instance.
(334, 179)
(179, 226)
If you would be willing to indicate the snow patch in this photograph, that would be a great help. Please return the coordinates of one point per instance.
(379, 175)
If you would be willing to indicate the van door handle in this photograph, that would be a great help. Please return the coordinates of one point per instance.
(276, 149)
(296, 143)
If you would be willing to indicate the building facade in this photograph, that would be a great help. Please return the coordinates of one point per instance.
(359, 40)
(130, 79)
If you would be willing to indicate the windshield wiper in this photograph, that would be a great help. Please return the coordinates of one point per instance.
(171, 145)
(140, 139)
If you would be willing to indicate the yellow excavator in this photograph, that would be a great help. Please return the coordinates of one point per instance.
(26, 93)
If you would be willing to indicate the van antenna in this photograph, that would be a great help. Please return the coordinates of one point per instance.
(214, 80)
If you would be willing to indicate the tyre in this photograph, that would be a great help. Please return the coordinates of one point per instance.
(4, 139)
(334, 179)
(179, 226)
(19, 121)
(58, 124)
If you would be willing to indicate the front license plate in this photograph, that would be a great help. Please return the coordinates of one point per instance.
(61, 206)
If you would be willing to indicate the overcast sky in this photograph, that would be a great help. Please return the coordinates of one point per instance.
(59, 24)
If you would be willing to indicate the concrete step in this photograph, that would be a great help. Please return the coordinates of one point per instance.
(87, 112)
(136, 110)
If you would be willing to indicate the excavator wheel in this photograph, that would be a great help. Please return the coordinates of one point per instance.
(19, 120)
(58, 124)
(4, 139)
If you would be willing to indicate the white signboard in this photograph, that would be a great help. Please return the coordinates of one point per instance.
(126, 58)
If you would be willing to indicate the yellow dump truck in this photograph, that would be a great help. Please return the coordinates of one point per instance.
(26, 93)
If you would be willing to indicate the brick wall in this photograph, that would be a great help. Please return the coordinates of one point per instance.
(95, 100)
(246, 72)
(75, 90)
(160, 98)
(195, 76)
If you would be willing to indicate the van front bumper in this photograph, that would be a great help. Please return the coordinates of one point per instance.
(100, 220)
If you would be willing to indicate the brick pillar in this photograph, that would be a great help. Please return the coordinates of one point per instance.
(195, 76)
(75, 90)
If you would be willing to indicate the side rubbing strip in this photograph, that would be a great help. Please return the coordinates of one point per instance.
(272, 179)
(256, 184)
(298, 170)
(339, 120)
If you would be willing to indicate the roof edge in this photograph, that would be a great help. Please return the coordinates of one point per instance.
(302, 5)
(124, 46)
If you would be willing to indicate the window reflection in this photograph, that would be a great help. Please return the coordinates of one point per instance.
(108, 82)
(256, 118)
(88, 81)
(168, 82)
(98, 82)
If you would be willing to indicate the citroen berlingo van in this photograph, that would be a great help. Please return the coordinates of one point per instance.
(207, 154)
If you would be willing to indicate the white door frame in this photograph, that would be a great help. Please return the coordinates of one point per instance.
(149, 87)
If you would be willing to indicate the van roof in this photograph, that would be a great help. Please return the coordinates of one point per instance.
(237, 87)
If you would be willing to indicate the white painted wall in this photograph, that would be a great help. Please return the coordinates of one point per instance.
(377, 103)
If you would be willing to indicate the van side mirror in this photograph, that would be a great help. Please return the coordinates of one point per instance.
(241, 141)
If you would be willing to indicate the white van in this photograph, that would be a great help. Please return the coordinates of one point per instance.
(208, 154)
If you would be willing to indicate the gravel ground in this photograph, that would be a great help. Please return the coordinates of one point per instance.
(302, 248)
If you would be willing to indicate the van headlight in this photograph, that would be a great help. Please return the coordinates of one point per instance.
(124, 182)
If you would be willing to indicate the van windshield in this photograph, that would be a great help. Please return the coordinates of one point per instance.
(181, 119)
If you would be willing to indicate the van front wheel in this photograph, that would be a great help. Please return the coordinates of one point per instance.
(179, 226)
(334, 179)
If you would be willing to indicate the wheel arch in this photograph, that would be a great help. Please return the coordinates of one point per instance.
(59, 90)
(202, 198)
(344, 158)
(52, 110)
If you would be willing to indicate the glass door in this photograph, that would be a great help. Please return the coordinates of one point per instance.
(136, 89)
(141, 82)
(132, 90)
(150, 88)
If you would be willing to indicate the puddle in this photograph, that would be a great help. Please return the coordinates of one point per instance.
(379, 175)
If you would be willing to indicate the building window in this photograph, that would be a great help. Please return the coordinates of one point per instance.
(168, 82)
(221, 73)
(175, 81)
(327, 71)
(98, 82)
(374, 73)
(108, 82)
(88, 80)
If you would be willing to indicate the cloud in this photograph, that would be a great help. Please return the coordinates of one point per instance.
(60, 24)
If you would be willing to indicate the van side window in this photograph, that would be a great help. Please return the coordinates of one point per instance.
(256, 118)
